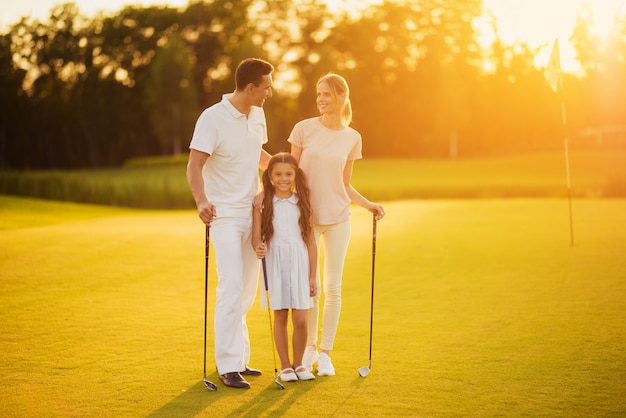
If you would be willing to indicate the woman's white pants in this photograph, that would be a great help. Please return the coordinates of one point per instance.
(334, 240)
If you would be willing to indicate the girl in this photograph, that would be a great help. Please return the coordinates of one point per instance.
(282, 233)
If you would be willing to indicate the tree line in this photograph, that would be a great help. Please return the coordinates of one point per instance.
(81, 92)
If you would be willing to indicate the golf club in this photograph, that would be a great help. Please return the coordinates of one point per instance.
(365, 370)
(209, 385)
(269, 314)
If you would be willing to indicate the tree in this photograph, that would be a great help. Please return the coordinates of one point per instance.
(80, 92)
(411, 66)
(171, 94)
(603, 87)
(14, 106)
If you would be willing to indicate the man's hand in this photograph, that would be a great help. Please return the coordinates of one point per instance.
(206, 212)
(257, 202)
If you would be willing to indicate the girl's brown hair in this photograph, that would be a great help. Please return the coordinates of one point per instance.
(302, 190)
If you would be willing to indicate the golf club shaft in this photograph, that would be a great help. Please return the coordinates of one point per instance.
(269, 315)
(372, 296)
(209, 385)
(206, 288)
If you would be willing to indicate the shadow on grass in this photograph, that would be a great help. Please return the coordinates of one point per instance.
(355, 385)
(189, 403)
(272, 401)
(198, 398)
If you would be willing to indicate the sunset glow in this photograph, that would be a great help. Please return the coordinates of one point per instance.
(539, 22)
(535, 22)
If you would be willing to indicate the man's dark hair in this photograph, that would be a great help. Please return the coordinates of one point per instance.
(251, 70)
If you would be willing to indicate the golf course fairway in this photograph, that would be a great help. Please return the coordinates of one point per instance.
(482, 308)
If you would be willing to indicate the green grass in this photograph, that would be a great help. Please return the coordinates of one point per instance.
(142, 187)
(592, 174)
(161, 183)
(482, 309)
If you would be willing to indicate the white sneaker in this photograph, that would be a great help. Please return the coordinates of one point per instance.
(325, 366)
(309, 358)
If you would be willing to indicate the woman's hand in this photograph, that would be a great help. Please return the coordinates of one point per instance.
(379, 210)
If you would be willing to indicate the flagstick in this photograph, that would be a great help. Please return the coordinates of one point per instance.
(555, 78)
(567, 170)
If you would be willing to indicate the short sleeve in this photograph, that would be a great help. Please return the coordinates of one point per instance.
(356, 151)
(296, 137)
(205, 136)
(259, 118)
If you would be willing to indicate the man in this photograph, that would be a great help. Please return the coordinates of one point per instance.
(225, 156)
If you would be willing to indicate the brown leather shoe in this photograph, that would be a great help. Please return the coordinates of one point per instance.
(234, 380)
(249, 371)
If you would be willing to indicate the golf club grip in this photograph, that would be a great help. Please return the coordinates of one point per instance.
(206, 242)
(264, 273)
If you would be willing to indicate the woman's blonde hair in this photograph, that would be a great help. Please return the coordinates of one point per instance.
(338, 86)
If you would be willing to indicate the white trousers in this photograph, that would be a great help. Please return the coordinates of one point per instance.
(334, 241)
(237, 271)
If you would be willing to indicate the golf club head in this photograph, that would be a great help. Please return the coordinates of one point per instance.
(210, 385)
(280, 386)
(364, 371)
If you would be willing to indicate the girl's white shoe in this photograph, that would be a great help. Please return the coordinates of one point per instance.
(288, 375)
(304, 374)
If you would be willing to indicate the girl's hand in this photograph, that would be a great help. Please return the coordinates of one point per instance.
(261, 250)
(312, 286)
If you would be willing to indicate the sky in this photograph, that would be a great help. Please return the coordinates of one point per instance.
(540, 22)
(537, 22)
(12, 10)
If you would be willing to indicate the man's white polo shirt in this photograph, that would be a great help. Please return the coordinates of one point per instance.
(233, 142)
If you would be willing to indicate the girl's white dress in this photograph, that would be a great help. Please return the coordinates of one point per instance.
(287, 260)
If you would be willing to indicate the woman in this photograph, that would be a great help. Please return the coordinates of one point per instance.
(325, 148)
